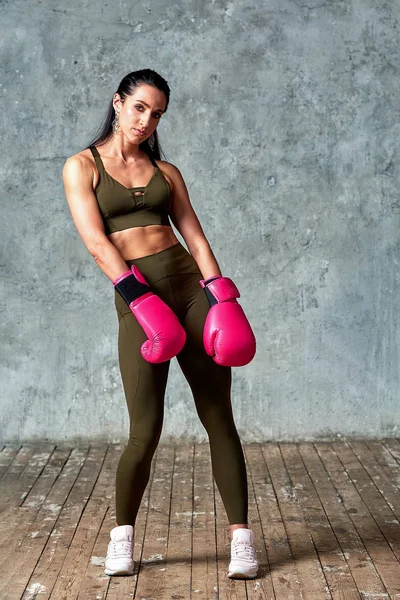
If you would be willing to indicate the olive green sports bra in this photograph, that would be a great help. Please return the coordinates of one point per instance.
(122, 207)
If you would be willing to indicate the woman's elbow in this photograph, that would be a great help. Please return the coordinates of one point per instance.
(97, 248)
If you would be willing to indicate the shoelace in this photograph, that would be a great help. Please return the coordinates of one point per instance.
(121, 549)
(243, 550)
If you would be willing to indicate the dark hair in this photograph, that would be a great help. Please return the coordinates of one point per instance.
(126, 88)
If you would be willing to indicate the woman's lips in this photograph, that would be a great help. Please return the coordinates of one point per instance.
(139, 132)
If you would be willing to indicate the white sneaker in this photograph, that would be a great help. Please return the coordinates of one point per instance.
(119, 559)
(244, 563)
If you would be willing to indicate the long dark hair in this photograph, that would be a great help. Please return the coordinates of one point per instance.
(127, 87)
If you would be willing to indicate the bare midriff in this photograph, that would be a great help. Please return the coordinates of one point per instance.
(142, 241)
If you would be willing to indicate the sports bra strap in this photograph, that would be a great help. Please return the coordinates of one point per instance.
(97, 159)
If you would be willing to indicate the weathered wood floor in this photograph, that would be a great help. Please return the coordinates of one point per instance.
(325, 517)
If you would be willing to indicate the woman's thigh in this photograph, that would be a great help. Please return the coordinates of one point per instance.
(210, 383)
(144, 383)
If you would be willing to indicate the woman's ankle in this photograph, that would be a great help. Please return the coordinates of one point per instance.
(116, 525)
(239, 526)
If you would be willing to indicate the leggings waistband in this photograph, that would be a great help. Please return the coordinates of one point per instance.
(173, 260)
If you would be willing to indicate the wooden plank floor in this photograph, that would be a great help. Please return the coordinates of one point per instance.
(325, 516)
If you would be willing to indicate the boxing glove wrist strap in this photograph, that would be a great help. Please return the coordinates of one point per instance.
(210, 279)
(219, 289)
(129, 287)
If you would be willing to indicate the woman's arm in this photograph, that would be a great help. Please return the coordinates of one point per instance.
(227, 334)
(185, 220)
(78, 183)
(166, 336)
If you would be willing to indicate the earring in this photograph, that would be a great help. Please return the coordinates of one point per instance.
(151, 141)
(115, 124)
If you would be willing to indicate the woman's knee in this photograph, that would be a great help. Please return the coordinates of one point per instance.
(216, 418)
(144, 443)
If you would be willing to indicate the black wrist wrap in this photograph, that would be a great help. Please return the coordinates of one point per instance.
(130, 289)
(210, 297)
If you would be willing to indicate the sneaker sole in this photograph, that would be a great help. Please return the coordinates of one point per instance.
(239, 575)
(127, 571)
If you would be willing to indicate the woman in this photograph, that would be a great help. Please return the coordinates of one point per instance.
(121, 196)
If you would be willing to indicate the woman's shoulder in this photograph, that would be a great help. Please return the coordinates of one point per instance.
(169, 170)
(84, 156)
(81, 163)
(163, 164)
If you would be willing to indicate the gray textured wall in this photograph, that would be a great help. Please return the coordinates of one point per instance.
(285, 122)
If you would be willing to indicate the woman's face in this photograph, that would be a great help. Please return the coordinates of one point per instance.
(140, 113)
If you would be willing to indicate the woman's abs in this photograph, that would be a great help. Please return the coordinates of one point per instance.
(142, 241)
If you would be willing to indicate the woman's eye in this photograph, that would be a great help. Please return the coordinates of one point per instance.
(140, 106)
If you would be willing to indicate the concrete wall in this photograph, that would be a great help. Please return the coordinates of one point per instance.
(285, 123)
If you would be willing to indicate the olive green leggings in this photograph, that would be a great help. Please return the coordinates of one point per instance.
(174, 275)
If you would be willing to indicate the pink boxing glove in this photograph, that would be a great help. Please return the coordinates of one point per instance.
(227, 335)
(161, 325)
